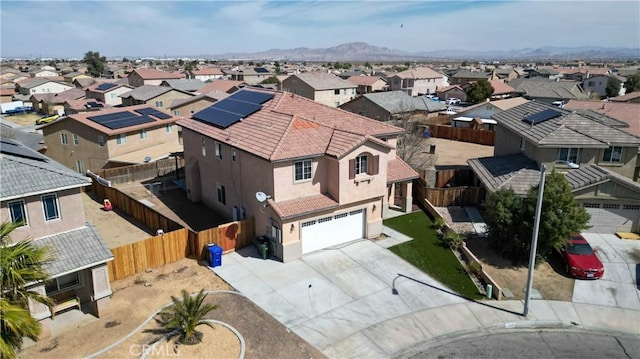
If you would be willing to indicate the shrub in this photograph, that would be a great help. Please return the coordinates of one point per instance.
(474, 268)
(453, 239)
(439, 223)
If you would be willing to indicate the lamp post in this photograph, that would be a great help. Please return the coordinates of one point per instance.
(534, 240)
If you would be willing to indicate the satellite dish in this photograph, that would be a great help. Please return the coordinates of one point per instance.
(261, 197)
(147, 159)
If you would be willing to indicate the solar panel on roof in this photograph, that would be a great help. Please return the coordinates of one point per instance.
(541, 116)
(105, 86)
(102, 119)
(152, 111)
(260, 70)
(94, 104)
(128, 122)
(251, 96)
(243, 109)
(216, 117)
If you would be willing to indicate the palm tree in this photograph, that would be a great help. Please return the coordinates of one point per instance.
(185, 315)
(21, 265)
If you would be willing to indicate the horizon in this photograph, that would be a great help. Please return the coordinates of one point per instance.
(68, 29)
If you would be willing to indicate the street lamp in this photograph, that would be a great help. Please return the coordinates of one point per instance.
(534, 241)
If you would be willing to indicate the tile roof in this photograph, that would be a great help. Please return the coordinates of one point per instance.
(509, 102)
(75, 250)
(399, 171)
(33, 82)
(213, 96)
(146, 92)
(190, 85)
(323, 81)
(94, 87)
(81, 104)
(500, 88)
(64, 96)
(365, 80)
(466, 74)
(569, 129)
(419, 73)
(153, 74)
(303, 206)
(541, 87)
(627, 112)
(23, 171)
(84, 82)
(626, 97)
(221, 85)
(207, 71)
(7, 91)
(290, 126)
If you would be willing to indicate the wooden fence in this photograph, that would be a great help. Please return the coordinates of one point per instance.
(454, 177)
(483, 137)
(454, 196)
(142, 171)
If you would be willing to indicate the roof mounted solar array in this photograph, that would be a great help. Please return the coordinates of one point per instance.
(92, 104)
(105, 86)
(260, 70)
(232, 109)
(152, 111)
(541, 116)
(120, 120)
(14, 148)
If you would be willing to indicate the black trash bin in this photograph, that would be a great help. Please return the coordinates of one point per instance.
(262, 244)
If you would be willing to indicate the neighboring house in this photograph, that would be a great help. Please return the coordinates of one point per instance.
(107, 92)
(6, 94)
(141, 77)
(72, 76)
(596, 84)
(115, 72)
(227, 86)
(465, 76)
(323, 88)
(501, 90)
(189, 106)
(392, 105)
(187, 85)
(453, 91)
(506, 74)
(54, 103)
(111, 138)
(484, 111)
(47, 198)
(44, 73)
(310, 175)
(83, 105)
(158, 96)
(629, 113)
(548, 91)
(368, 84)
(206, 74)
(418, 81)
(41, 85)
(251, 76)
(83, 82)
(633, 97)
(547, 73)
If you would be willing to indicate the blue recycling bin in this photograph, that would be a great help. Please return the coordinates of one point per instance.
(215, 255)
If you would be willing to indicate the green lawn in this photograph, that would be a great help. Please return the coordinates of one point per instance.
(427, 253)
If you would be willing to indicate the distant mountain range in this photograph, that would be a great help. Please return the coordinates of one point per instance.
(360, 51)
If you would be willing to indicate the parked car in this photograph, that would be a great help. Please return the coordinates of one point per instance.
(432, 97)
(453, 101)
(46, 119)
(580, 259)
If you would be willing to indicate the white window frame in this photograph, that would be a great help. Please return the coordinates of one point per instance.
(203, 144)
(169, 128)
(100, 141)
(64, 138)
(121, 139)
(23, 209)
(44, 207)
(143, 134)
(234, 155)
(304, 169)
(78, 282)
(80, 166)
(570, 154)
(219, 150)
(612, 154)
(159, 103)
(362, 164)
(222, 195)
(176, 112)
(76, 139)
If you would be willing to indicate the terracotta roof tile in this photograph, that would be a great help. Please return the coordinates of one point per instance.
(220, 85)
(399, 171)
(499, 87)
(364, 80)
(623, 111)
(207, 71)
(153, 74)
(303, 206)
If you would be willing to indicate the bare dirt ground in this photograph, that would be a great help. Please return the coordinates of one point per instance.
(24, 119)
(454, 153)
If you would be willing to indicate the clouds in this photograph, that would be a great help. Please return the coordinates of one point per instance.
(154, 28)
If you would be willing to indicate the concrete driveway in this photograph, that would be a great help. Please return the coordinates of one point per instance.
(619, 286)
(333, 294)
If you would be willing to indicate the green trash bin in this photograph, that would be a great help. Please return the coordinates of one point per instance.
(262, 244)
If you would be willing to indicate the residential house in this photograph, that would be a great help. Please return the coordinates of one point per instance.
(83, 82)
(141, 77)
(111, 138)
(418, 81)
(482, 112)
(107, 93)
(463, 76)
(6, 94)
(501, 90)
(392, 105)
(46, 198)
(249, 75)
(41, 85)
(44, 73)
(506, 74)
(310, 175)
(83, 105)
(599, 161)
(115, 72)
(54, 103)
(633, 97)
(548, 91)
(72, 76)
(581, 74)
(206, 74)
(187, 85)
(227, 86)
(191, 105)
(368, 84)
(596, 85)
(453, 91)
(545, 72)
(323, 88)
(626, 112)
(158, 96)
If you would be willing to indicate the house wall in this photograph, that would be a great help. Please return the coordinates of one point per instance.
(112, 98)
(135, 80)
(485, 111)
(285, 186)
(294, 85)
(363, 106)
(597, 84)
(45, 73)
(329, 98)
(70, 218)
(49, 87)
(52, 109)
(167, 98)
(453, 93)
(191, 108)
(419, 87)
(364, 186)
(155, 136)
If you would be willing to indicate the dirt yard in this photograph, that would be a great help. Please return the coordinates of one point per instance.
(23, 120)
(452, 153)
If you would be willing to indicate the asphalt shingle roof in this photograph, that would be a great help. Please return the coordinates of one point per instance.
(544, 88)
(190, 85)
(25, 171)
(513, 171)
(75, 250)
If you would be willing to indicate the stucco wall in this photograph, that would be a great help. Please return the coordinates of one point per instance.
(191, 108)
(362, 106)
(329, 98)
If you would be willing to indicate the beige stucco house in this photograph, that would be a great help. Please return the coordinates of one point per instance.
(107, 92)
(368, 84)
(323, 88)
(311, 176)
(248, 75)
(188, 106)
(45, 197)
(418, 81)
(140, 77)
(158, 96)
(41, 85)
(111, 138)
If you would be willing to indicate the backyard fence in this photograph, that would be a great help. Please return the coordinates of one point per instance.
(482, 137)
(143, 171)
(454, 177)
(454, 196)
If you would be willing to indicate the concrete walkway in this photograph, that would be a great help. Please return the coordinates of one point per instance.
(350, 302)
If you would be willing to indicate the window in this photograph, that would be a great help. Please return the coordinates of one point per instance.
(219, 150)
(76, 139)
(612, 154)
(336, 104)
(221, 195)
(114, 96)
(17, 211)
(568, 154)
(204, 147)
(365, 163)
(100, 141)
(361, 164)
(50, 206)
(121, 139)
(63, 282)
(302, 170)
(522, 143)
(169, 128)
(233, 155)
(64, 138)
(591, 83)
(80, 166)
(176, 112)
(143, 134)
(336, 91)
(159, 104)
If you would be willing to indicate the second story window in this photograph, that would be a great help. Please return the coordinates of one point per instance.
(302, 170)
(365, 163)
(219, 150)
(169, 128)
(568, 154)
(336, 91)
(76, 139)
(143, 134)
(121, 139)
(176, 112)
(222, 197)
(50, 207)
(203, 144)
(612, 154)
(361, 164)
(159, 104)
(17, 212)
(64, 138)
(234, 155)
(100, 141)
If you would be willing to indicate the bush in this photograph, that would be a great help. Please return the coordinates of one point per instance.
(475, 268)
(439, 223)
(453, 239)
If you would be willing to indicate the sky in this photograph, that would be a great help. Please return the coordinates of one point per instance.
(68, 29)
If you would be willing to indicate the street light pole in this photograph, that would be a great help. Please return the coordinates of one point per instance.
(534, 241)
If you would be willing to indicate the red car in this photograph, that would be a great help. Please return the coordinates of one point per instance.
(581, 260)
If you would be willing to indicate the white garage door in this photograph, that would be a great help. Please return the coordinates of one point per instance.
(611, 218)
(332, 230)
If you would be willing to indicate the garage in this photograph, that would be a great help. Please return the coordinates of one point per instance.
(332, 230)
(613, 217)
